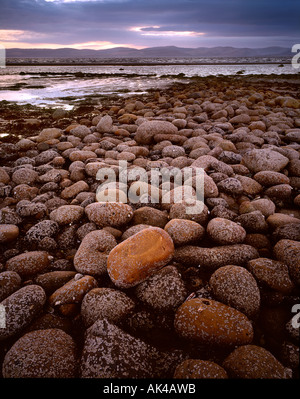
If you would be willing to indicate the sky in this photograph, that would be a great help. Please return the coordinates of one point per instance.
(102, 24)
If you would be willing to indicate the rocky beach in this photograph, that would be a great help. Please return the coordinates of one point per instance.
(92, 289)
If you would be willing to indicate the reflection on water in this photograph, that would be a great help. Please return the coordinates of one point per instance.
(64, 86)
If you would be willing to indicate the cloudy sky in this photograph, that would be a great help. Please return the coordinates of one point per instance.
(99, 24)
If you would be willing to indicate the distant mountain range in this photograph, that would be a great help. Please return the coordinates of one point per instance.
(150, 52)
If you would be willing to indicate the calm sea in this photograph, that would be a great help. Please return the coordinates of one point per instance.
(55, 85)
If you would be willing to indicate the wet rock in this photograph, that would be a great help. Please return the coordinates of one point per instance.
(163, 291)
(147, 130)
(224, 231)
(258, 160)
(253, 222)
(272, 274)
(74, 189)
(27, 208)
(105, 124)
(271, 178)
(52, 281)
(9, 216)
(251, 361)
(138, 257)
(184, 231)
(91, 256)
(105, 303)
(199, 369)
(280, 219)
(150, 216)
(49, 134)
(8, 232)
(264, 205)
(109, 352)
(236, 287)
(21, 308)
(213, 258)
(287, 251)
(230, 186)
(9, 283)
(24, 176)
(73, 291)
(113, 214)
(210, 322)
(66, 214)
(29, 356)
(29, 263)
(45, 228)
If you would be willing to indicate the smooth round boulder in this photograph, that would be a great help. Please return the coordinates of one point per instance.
(91, 256)
(107, 303)
(9, 283)
(184, 231)
(66, 214)
(8, 232)
(163, 291)
(236, 287)
(73, 291)
(224, 231)
(114, 214)
(206, 321)
(138, 257)
(21, 308)
(29, 263)
(147, 130)
(272, 274)
(49, 353)
(199, 369)
(253, 362)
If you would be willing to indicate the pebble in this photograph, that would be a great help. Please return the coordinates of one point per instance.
(49, 134)
(29, 264)
(253, 222)
(150, 216)
(270, 178)
(9, 283)
(21, 308)
(105, 303)
(215, 257)
(264, 205)
(29, 356)
(53, 280)
(109, 352)
(147, 130)
(74, 189)
(73, 291)
(113, 214)
(273, 274)
(258, 160)
(67, 214)
(184, 231)
(212, 323)
(91, 256)
(163, 291)
(236, 287)
(280, 219)
(223, 231)
(254, 362)
(24, 176)
(199, 369)
(8, 232)
(137, 258)
(287, 251)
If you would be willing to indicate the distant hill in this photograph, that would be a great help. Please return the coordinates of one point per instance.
(150, 52)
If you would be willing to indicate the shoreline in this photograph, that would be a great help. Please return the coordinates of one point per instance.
(11, 111)
(146, 289)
